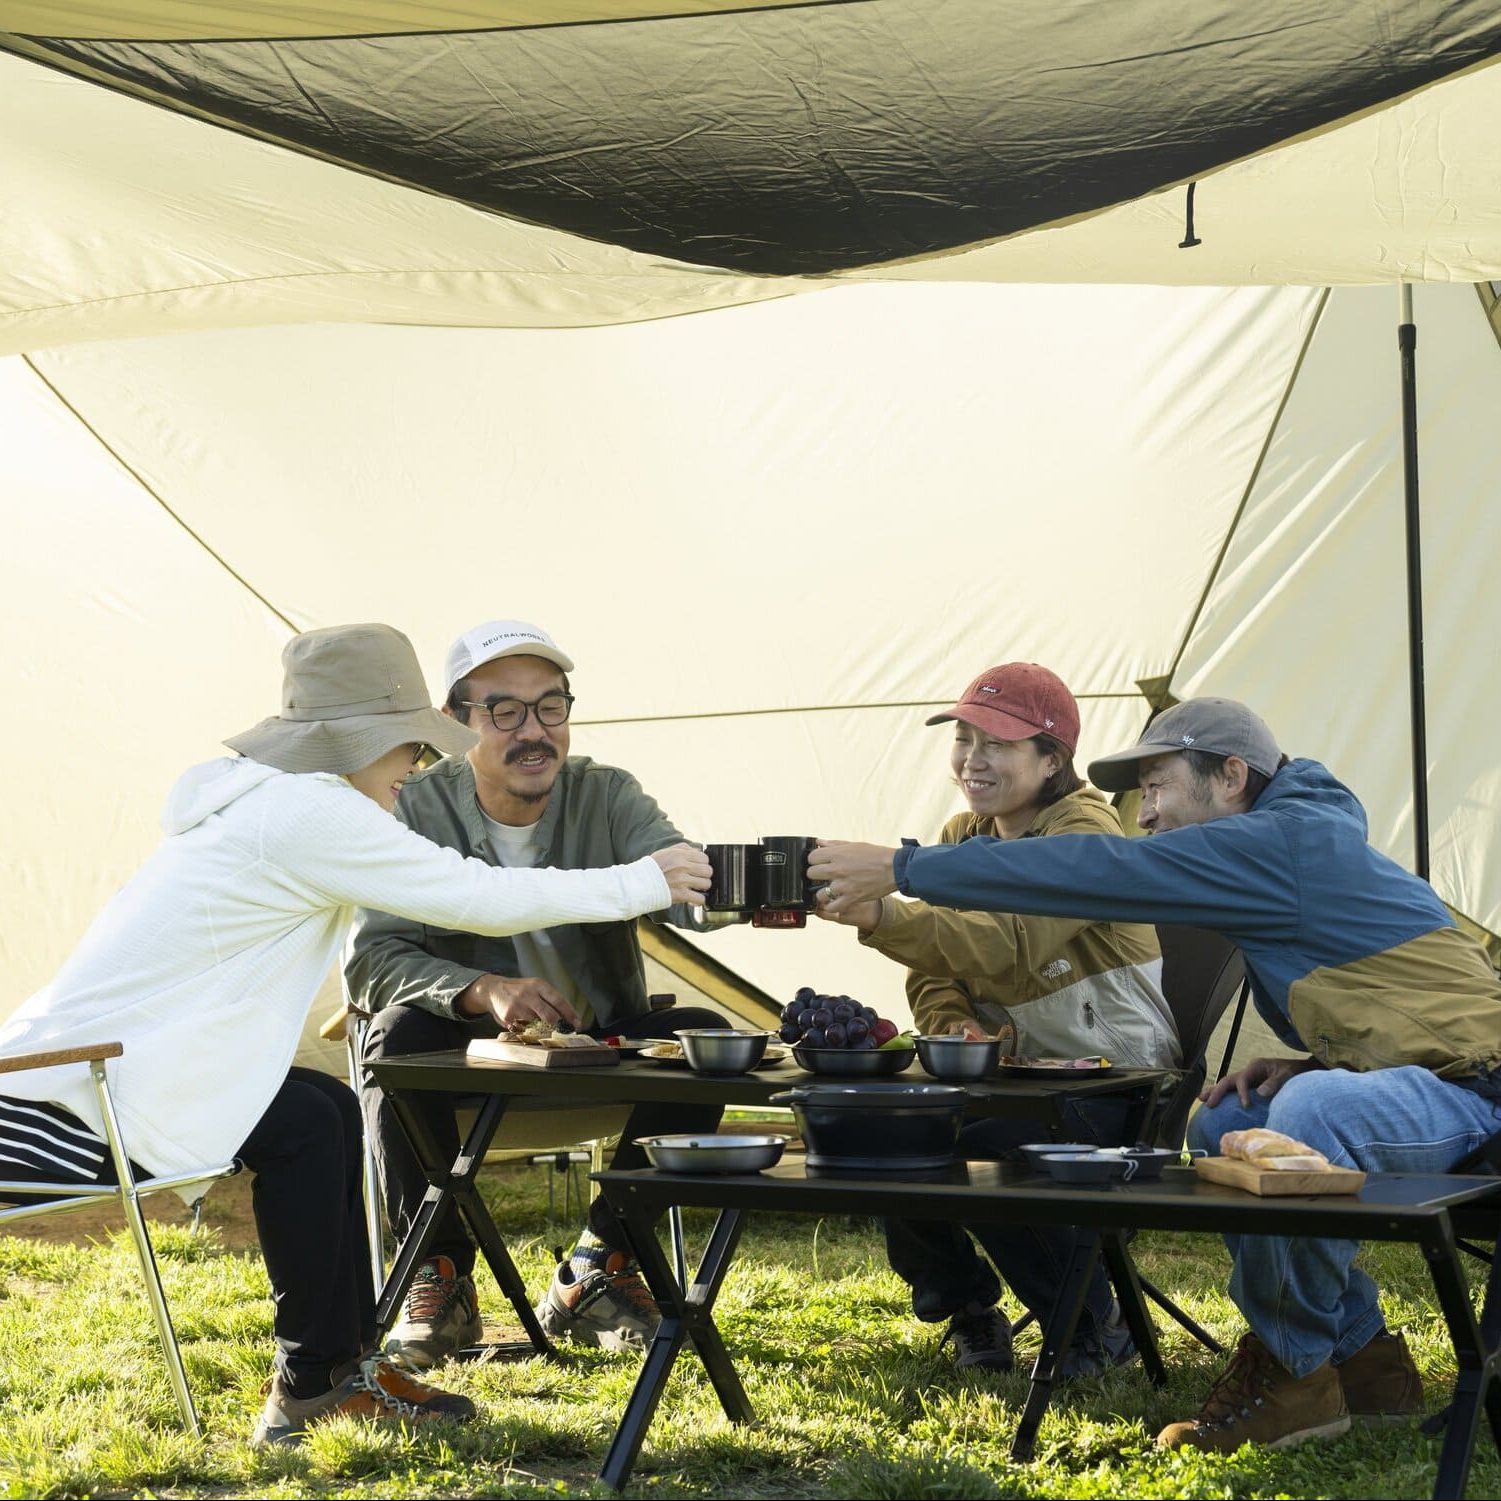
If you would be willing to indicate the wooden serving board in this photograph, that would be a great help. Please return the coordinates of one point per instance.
(1270, 1183)
(497, 1050)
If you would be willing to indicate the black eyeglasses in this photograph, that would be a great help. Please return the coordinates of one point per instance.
(508, 714)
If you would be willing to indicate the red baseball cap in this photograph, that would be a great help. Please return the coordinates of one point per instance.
(1016, 701)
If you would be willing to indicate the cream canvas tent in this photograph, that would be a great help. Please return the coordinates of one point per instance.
(249, 388)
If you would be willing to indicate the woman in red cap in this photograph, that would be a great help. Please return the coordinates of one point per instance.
(1048, 986)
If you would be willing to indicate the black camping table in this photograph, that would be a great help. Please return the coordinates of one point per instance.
(1390, 1206)
(638, 1080)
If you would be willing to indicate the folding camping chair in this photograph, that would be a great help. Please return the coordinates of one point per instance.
(52, 1198)
(1201, 974)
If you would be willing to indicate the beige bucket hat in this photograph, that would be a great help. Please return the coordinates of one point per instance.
(350, 693)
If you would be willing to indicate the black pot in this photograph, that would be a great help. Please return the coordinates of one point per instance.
(888, 1127)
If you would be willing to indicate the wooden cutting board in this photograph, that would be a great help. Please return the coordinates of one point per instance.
(533, 1056)
(1270, 1183)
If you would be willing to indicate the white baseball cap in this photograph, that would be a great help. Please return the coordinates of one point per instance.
(500, 638)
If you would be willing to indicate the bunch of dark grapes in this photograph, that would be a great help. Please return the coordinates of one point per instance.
(833, 1021)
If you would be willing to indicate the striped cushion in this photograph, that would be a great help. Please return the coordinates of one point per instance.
(38, 1139)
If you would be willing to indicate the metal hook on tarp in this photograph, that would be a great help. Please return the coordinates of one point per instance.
(1190, 239)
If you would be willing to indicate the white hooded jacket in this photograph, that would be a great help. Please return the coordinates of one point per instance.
(205, 963)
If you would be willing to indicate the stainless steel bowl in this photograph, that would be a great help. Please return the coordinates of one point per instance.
(958, 1058)
(844, 1063)
(712, 1154)
(722, 1050)
(1088, 1167)
(1035, 1151)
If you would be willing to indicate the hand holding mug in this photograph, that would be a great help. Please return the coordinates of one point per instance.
(853, 874)
(687, 870)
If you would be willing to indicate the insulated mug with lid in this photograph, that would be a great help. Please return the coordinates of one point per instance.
(784, 865)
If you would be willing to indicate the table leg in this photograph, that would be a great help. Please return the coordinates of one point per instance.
(455, 1185)
(1128, 1290)
(414, 1244)
(686, 1314)
(470, 1160)
(1475, 1386)
(1057, 1336)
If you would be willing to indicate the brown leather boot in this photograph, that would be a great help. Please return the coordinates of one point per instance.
(1257, 1401)
(1381, 1382)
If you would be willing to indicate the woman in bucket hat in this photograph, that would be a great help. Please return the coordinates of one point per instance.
(1052, 987)
(204, 966)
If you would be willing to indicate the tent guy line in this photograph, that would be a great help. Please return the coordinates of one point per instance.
(917, 703)
(147, 488)
(1249, 489)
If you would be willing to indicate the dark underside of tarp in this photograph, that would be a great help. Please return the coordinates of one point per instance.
(817, 137)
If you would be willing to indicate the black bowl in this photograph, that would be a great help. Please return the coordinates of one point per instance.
(847, 1063)
(867, 1126)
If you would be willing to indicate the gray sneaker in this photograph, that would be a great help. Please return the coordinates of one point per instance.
(439, 1318)
(613, 1308)
(980, 1337)
(1095, 1351)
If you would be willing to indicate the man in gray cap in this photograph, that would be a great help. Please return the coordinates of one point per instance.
(517, 799)
(1353, 961)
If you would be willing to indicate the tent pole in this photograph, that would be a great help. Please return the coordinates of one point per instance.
(1407, 345)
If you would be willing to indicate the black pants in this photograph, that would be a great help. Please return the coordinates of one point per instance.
(399, 1031)
(305, 1152)
(938, 1260)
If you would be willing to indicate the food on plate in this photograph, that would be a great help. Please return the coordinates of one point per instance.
(1018, 1060)
(837, 1021)
(543, 1035)
(665, 1050)
(1272, 1149)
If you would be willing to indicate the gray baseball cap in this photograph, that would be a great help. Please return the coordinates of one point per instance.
(1217, 725)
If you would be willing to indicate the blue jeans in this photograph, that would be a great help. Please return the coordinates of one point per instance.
(1304, 1298)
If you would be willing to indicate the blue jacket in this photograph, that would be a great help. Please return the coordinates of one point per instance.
(1350, 956)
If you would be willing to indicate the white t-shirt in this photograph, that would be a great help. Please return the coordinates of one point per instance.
(516, 847)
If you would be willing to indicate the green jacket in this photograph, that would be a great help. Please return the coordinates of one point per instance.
(596, 816)
(1072, 986)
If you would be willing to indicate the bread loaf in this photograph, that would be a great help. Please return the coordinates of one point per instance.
(1271, 1149)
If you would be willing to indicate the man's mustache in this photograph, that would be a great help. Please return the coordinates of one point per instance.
(530, 748)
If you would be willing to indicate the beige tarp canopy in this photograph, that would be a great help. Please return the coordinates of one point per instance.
(245, 391)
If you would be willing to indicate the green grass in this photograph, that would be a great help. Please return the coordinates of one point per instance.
(853, 1396)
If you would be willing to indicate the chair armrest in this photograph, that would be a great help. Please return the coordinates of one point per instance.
(336, 1028)
(23, 1061)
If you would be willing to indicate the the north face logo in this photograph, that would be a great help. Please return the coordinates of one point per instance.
(1055, 969)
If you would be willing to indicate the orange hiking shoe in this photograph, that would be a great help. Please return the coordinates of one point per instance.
(612, 1308)
(439, 1317)
(377, 1390)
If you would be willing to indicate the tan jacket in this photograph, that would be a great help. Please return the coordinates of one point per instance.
(1073, 987)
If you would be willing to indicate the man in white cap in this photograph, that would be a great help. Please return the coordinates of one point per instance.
(1353, 961)
(517, 799)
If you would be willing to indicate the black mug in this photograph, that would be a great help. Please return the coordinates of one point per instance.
(735, 878)
(784, 873)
